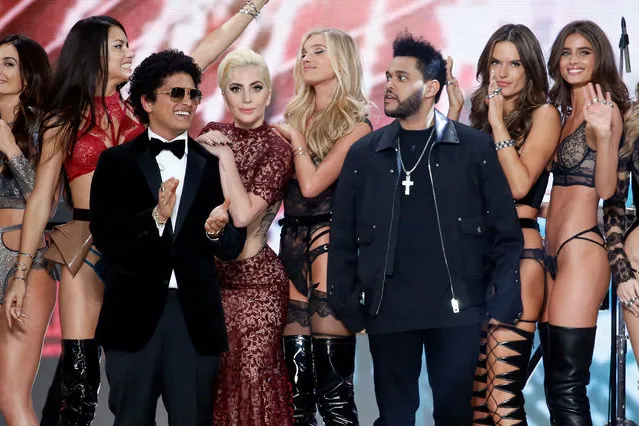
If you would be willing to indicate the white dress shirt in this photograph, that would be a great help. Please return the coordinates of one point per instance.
(171, 166)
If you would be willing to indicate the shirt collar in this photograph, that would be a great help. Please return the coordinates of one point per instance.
(184, 136)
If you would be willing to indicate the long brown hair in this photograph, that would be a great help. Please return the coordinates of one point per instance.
(35, 73)
(605, 73)
(535, 91)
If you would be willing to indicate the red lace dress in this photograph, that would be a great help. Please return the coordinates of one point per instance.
(252, 387)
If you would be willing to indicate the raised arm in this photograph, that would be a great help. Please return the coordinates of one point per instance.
(623, 276)
(214, 44)
(606, 126)
(314, 179)
(268, 181)
(455, 95)
(522, 169)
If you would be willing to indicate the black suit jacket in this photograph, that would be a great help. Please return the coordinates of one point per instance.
(138, 262)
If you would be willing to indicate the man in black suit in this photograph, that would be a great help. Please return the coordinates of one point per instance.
(425, 244)
(158, 216)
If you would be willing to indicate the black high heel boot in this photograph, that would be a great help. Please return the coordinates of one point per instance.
(571, 355)
(298, 353)
(545, 351)
(80, 382)
(511, 382)
(334, 367)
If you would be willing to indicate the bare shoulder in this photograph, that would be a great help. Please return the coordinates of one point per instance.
(360, 130)
(545, 113)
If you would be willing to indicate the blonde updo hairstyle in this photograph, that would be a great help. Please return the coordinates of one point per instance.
(239, 59)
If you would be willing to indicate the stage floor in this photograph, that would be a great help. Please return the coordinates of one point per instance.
(535, 404)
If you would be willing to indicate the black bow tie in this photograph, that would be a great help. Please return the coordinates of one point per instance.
(176, 147)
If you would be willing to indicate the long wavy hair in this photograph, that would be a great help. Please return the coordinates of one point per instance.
(81, 74)
(605, 73)
(348, 105)
(535, 91)
(631, 127)
(35, 73)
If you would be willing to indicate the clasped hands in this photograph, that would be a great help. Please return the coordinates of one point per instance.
(214, 224)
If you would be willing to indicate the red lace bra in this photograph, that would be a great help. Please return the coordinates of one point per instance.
(88, 147)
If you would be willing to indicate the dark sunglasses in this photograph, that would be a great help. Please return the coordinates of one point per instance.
(177, 94)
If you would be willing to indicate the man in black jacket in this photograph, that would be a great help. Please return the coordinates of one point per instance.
(425, 244)
(159, 218)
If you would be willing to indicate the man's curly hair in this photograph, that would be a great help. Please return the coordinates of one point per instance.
(151, 73)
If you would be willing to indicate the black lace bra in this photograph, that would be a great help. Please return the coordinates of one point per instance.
(575, 161)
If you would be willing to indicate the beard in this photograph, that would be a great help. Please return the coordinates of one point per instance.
(407, 107)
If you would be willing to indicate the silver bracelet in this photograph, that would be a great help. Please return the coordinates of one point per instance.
(504, 144)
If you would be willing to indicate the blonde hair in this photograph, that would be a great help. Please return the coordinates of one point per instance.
(238, 59)
(347, 106)
(631, 128)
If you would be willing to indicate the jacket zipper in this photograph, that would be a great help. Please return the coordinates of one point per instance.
(390, 229)
(454, 302)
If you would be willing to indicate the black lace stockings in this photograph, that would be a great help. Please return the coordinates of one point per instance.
(315, 317)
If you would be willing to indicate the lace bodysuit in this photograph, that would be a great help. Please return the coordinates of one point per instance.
(303, 218)
(575, 162)
(88, 147)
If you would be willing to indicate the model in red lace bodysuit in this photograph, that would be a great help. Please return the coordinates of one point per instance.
(122, 126)
(252, 386)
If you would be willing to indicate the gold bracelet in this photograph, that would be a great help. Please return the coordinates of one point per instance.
(214, 236)
(156, 217)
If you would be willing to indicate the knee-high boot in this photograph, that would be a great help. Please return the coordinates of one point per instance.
(505, 407)
(571, 352)
(298, 353)
(334, 367)
(80, 382)
(545, 351)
